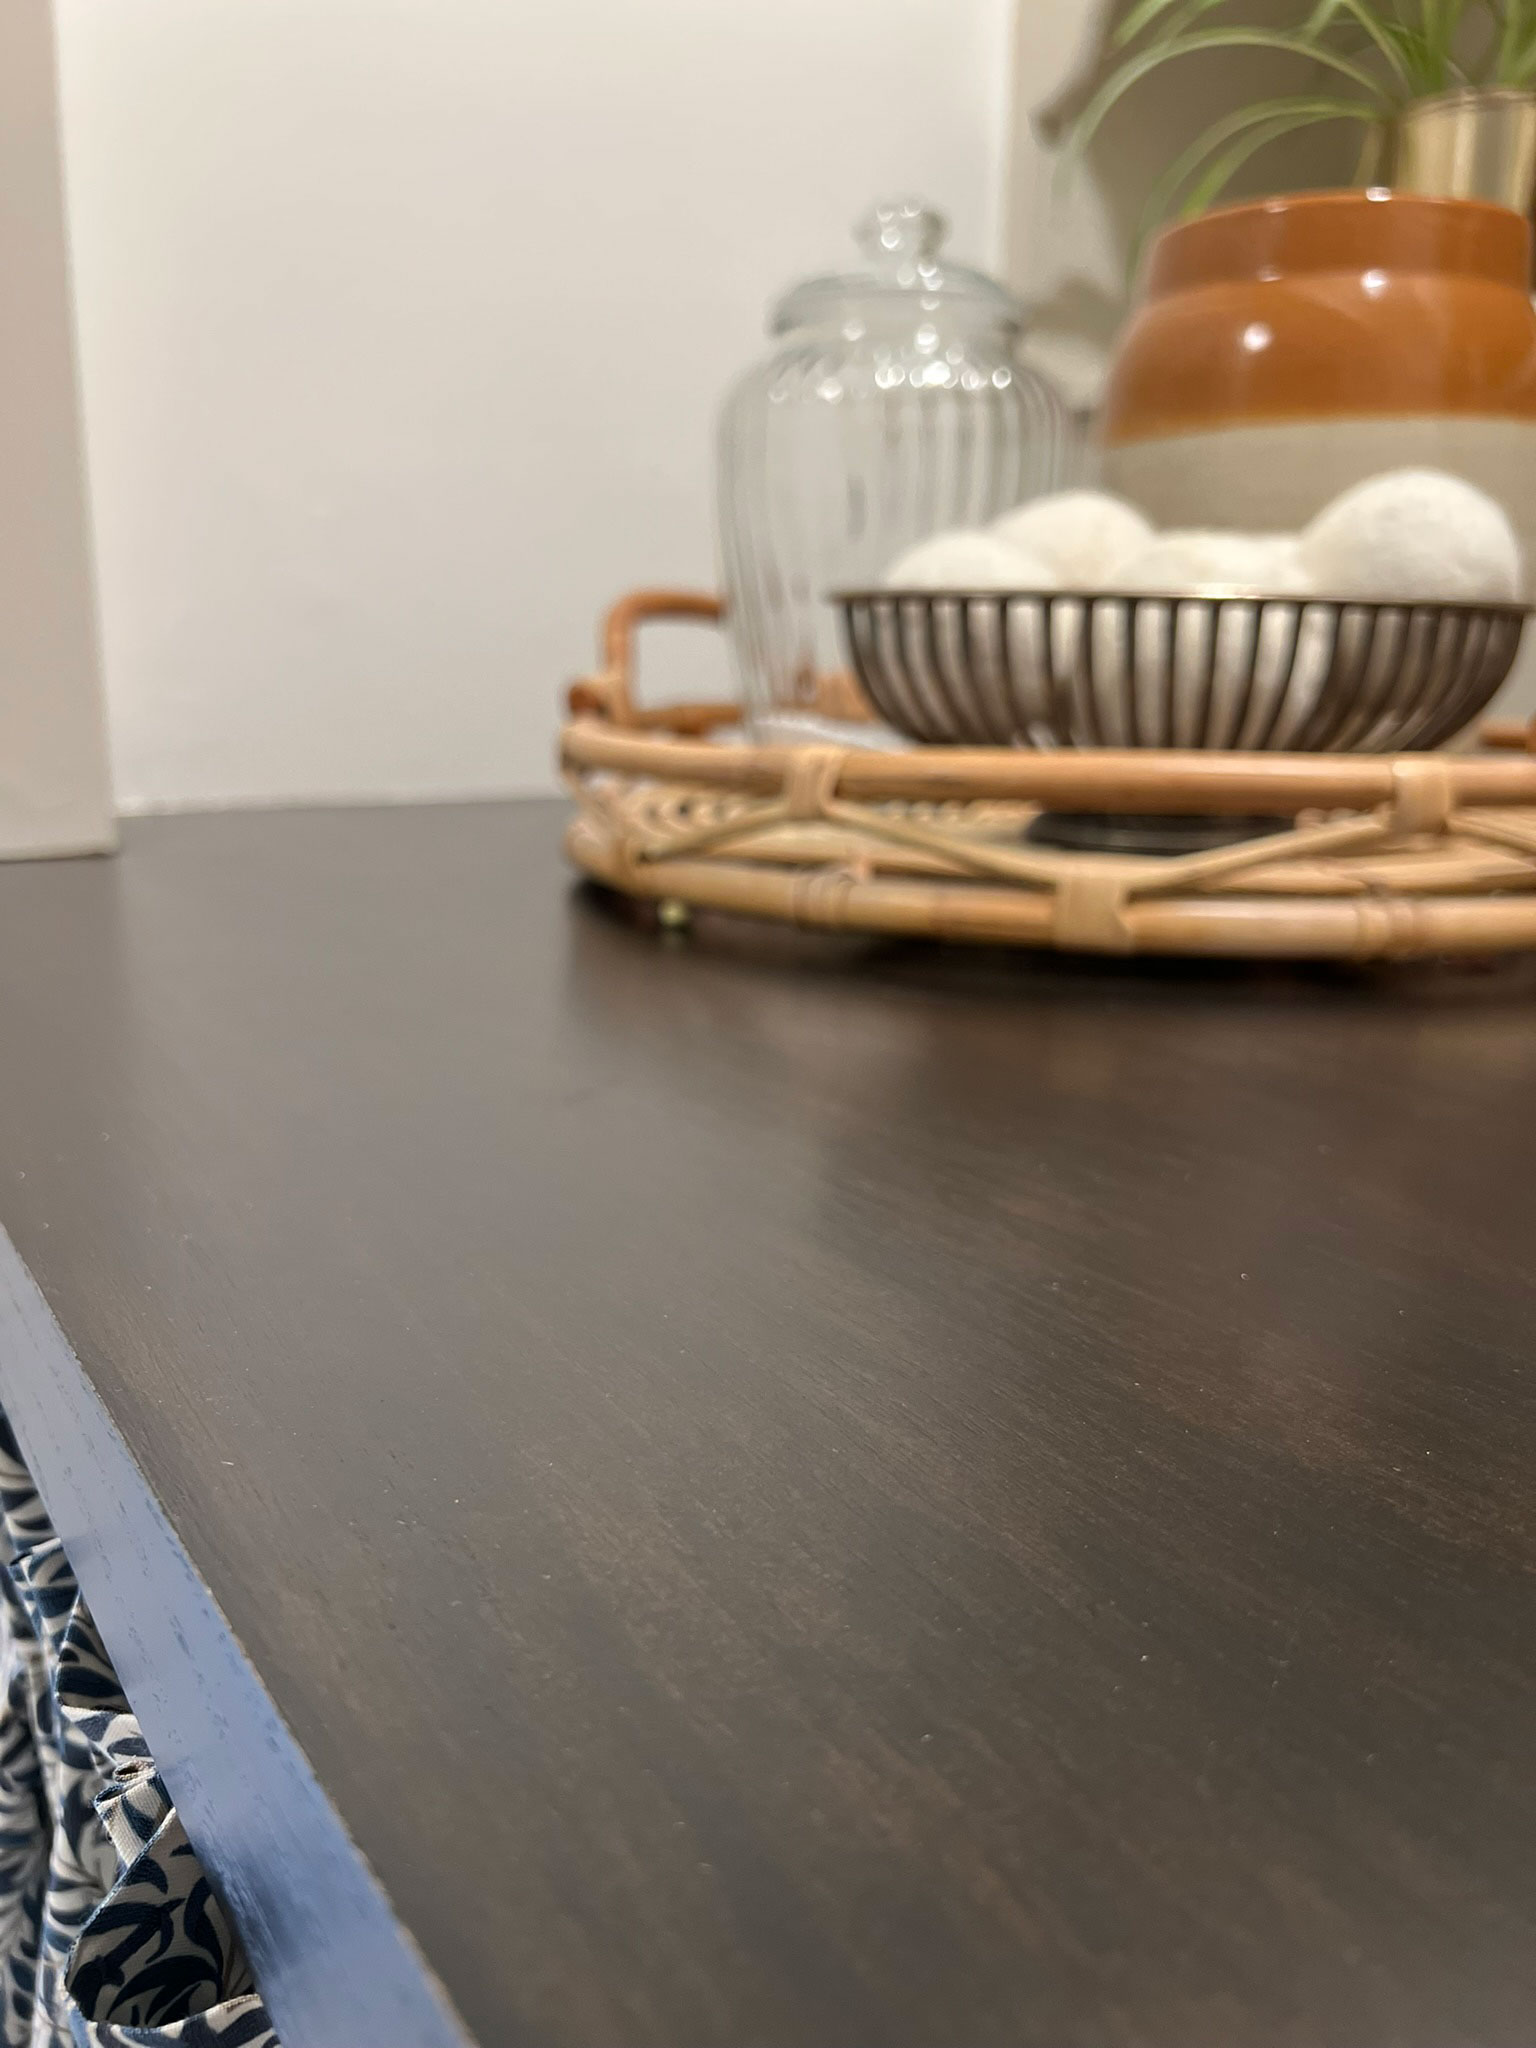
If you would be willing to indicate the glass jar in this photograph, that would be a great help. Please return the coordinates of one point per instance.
(894, 407)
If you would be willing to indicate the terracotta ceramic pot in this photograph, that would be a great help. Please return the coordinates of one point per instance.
(1286, 349)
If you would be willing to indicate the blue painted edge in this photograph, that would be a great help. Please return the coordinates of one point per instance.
(336, 1968)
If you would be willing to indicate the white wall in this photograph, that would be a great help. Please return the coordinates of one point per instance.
(402, 324)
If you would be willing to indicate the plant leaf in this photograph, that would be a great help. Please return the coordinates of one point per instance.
(1417, 70)
(1379, 31)
(1300, 110)
(1137, 67)
(1440, 22)
(1426, 73)
(1145, 12)
(1226, 167)
(1373, 150)
(1518, 66)
(1508, 22)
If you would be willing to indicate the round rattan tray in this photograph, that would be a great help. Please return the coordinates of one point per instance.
(1372, 856)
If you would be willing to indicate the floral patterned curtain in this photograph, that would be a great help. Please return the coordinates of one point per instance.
(110, 1936)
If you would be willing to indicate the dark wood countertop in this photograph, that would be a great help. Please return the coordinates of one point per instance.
(790, 1492)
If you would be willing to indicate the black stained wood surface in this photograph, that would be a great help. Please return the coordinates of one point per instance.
(819, 1493)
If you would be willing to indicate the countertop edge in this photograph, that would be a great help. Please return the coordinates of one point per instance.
(335, 1965)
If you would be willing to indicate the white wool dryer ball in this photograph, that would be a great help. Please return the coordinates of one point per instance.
(969, 559)
(1084, 536)
(1191, 562)
(1414, 534)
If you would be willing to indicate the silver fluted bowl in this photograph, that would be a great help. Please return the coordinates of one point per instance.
(1112, 669)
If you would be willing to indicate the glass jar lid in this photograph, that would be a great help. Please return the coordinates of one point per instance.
(902, 239)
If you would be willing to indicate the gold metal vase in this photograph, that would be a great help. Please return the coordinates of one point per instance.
(1476, 143)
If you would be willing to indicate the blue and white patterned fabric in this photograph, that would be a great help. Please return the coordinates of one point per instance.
(109, 1934)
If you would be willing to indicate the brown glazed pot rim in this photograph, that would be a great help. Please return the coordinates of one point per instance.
(1356, 231)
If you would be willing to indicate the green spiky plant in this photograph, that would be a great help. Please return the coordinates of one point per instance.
(1379, 56)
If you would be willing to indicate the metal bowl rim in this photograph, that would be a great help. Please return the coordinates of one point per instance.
(1503, 607)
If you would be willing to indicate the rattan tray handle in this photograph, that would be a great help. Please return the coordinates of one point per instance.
(610, 694)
